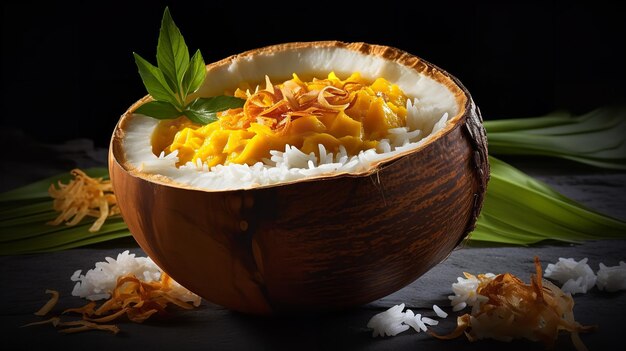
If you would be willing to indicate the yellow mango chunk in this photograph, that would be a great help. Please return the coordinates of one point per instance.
(311, 143)
(375, 115)
(389, 92)
(379, 119)
(308, 124)
(354, 145)
(187, 142)
(259, 148)
(237, 140)
(165, 131)
(344, 125)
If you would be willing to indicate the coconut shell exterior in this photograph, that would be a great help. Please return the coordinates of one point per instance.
(323, 244)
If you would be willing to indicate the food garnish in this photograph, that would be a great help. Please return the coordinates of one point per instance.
(45, 309)
(136, 294)
(507, 309)
(136, 299)
(54, 321)
(83, 325)
(176, 78)
(83, 196)
(503, 308)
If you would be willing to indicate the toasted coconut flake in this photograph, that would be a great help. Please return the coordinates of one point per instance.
(538, 312)
(86, 310)
(335, 94)
(462, 323)
(54, 321)
(289, 90)
(269, 87)
(110, 317)
(83, 196)
(307, 98)
(138, 317)
(50, 304)
(276, 108)
(84, 325)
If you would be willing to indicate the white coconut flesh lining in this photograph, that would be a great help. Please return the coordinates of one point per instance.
(429, 109)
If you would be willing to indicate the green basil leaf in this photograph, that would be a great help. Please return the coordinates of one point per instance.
(195, 74)
(159, 110)
(172, 52)
(154, 81)
(216, 103)
(204, 110)
(201, 117)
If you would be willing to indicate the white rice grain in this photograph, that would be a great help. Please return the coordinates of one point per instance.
(429, 321)
(440, 313)
(413, 320)
(459, 306)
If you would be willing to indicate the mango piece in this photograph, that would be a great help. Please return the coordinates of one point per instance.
(213, 146)
(187, 141)
(358, 110)
(258, 148)
(308, 124)
(355, 145)
(379, 119)
(312, 141)
(257, 128)
(237, 140)
(164, 133)
(344, 125)
(389, 92)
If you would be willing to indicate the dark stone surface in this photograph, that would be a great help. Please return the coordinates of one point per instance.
(24, 279)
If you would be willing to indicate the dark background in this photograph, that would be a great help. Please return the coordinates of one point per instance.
(68, 71)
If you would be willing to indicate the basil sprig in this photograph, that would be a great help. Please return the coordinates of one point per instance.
(176, 77)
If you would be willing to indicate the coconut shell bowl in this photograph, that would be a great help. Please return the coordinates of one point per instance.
(328, 242)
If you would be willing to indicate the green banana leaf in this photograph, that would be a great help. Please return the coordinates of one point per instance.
(597, 138)
(521, 210)
(518, 210)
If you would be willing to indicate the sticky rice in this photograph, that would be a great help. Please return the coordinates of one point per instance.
(394, 321)
(575, 276)
(612, 279)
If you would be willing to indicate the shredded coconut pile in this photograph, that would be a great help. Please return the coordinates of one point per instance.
(99, 282)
